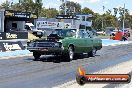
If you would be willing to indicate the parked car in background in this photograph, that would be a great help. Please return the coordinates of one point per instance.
(100, 33)
(114, 32)
(120, 34)
(31, 28)
(126, 32)
(109, 30)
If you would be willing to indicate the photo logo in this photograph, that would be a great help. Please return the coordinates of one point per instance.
(83, 78)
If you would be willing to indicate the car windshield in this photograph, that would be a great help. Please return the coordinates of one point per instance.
(65, 32)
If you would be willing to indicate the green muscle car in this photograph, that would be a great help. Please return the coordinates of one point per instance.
(66, 43)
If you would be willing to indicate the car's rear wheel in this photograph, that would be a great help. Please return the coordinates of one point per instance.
(93, 52)
(71, 53)
(36, 56)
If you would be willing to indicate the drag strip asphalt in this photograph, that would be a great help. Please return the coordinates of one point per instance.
(23, 72)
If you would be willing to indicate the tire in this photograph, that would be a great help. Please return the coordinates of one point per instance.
(92, 53)
(124, 38)
(36, 56)
(69, 56)
(71, 53)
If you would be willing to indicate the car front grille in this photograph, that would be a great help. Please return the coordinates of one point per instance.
(45, 44)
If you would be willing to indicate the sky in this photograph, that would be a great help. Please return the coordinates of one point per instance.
(95, 5)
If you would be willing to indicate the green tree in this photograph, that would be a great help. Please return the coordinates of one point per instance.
(33, 6)
(6, 5)
(128, 21)
(121, 17)
(87, 11)
(49, 13)
(16, 7)
(115, 11)
(97, 21)
(27, 5)
(109, 20)
(38, 7)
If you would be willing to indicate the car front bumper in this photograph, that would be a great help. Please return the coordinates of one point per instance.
(46, 50)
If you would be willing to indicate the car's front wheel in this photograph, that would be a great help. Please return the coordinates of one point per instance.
(36, 56)
(69, 56)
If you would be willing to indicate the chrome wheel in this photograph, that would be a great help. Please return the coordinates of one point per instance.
(94, 52)
(71, 53)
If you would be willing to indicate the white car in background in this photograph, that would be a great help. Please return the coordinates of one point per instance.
(101, 33)
(114, 32)
(30, 27)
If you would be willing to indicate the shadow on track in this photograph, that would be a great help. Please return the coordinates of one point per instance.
(59, 59)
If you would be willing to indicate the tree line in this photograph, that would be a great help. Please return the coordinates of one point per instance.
(110, 18)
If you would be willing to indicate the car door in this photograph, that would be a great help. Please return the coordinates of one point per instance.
(80, 42)
(83, 43)
(88, 42)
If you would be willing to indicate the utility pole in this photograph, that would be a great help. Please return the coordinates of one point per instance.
(59, 10)
(65, 6)
(103, 19)
(124, 19)
(12, 3)
(74, 12)
(62, 1)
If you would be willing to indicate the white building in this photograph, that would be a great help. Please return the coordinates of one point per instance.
(64, 21)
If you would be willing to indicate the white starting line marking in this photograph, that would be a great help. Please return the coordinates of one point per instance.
(122, 68)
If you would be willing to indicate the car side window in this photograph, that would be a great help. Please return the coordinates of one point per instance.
(89, 34)
(86, 35)
(83, 34)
